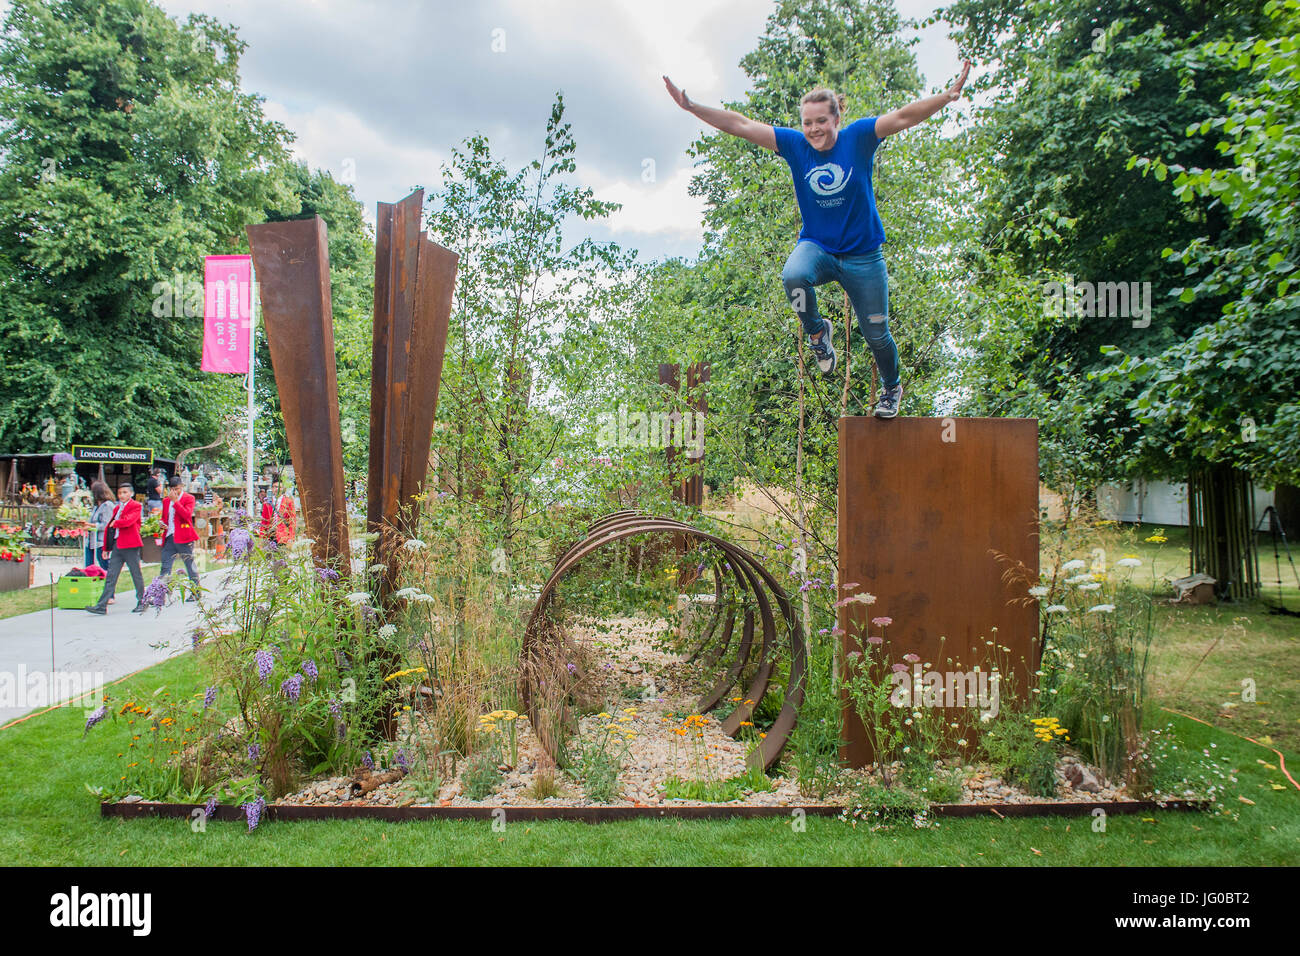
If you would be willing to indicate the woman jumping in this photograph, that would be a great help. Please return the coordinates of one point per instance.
(842, 236)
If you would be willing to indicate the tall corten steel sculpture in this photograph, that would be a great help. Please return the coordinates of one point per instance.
(924, 503)
(414, 281)
(293, 274)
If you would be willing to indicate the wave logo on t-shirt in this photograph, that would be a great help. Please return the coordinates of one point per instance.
(828, 179)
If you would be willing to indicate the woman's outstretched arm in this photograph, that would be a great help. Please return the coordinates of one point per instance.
(905, 117)
(760, 134)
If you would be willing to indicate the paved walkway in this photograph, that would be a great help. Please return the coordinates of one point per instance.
(87, 648)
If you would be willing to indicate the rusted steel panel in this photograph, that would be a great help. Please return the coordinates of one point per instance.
(293, 276)
(415, 279)
(435, 283)
(923, 504)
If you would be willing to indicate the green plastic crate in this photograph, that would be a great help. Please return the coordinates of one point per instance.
(76, 592)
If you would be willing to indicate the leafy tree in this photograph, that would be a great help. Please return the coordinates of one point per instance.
(519, 374)
(1077, 87)
(1227, 394)
(128, 151)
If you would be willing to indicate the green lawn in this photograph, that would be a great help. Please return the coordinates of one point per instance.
(48, 817)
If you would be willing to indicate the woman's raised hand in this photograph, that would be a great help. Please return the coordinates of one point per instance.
(679, 96)
(954, 91)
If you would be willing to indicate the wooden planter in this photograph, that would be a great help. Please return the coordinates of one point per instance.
(151, 553)
(15, 575)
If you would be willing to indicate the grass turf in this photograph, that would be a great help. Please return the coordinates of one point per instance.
(49, 818)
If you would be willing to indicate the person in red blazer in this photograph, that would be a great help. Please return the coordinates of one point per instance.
(267, 513)
(122, 544)
(178, 522)
(280, 516)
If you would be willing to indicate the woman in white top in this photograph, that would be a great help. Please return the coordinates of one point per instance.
(99, 518)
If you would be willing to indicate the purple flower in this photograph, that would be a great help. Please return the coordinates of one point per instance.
(265, 662)
(336, 708)
(95, 717)
(254, 751)
(210, 808)
(367, 761)
(571, 668)
(292, 687)
(309, 668)
(241, 542)
(402, 762)
(253, 811)
(156, 593)
(327, 575)
(209, 697)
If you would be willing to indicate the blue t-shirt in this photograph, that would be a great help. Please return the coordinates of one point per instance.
(834, 188)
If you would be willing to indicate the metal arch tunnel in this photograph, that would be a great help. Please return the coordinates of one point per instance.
(750, 579)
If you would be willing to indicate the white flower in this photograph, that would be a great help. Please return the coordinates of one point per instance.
(388, 630)
(986, 717)
(1038, 591)
(424, 598)
(962, 742)
(1073, 565)
(1079, 578)
(359, 597)
(413, 544)
(377, 568)
(406, 593)
(1128, 563)
(1104, 608)
(1089, 587)
(1057, 609)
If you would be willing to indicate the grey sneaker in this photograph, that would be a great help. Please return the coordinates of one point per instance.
(824, 351)
(887, 406)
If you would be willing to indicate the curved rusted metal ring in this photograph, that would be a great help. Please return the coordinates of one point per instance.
(758, 591)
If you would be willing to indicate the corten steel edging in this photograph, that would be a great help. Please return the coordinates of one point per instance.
(747, 570)
(612, 814)
(293, 272)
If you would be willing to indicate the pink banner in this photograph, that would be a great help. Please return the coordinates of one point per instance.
(227, 313)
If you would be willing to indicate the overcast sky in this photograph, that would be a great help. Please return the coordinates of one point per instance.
(379, 92)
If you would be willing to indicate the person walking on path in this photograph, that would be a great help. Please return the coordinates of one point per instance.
(178, 520)
(286, 517)
(123, 547)
(99, 519)
(842, 235)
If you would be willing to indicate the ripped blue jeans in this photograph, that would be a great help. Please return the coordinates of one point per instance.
(863, 278)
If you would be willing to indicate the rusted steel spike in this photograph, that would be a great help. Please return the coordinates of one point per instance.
(293, 276)
(613, 528)
(379, 364)
(435, 282)
(398, 275)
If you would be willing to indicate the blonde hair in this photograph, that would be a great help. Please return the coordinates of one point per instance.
(837, 101)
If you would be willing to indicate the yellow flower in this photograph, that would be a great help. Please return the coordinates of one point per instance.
(605, 715)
